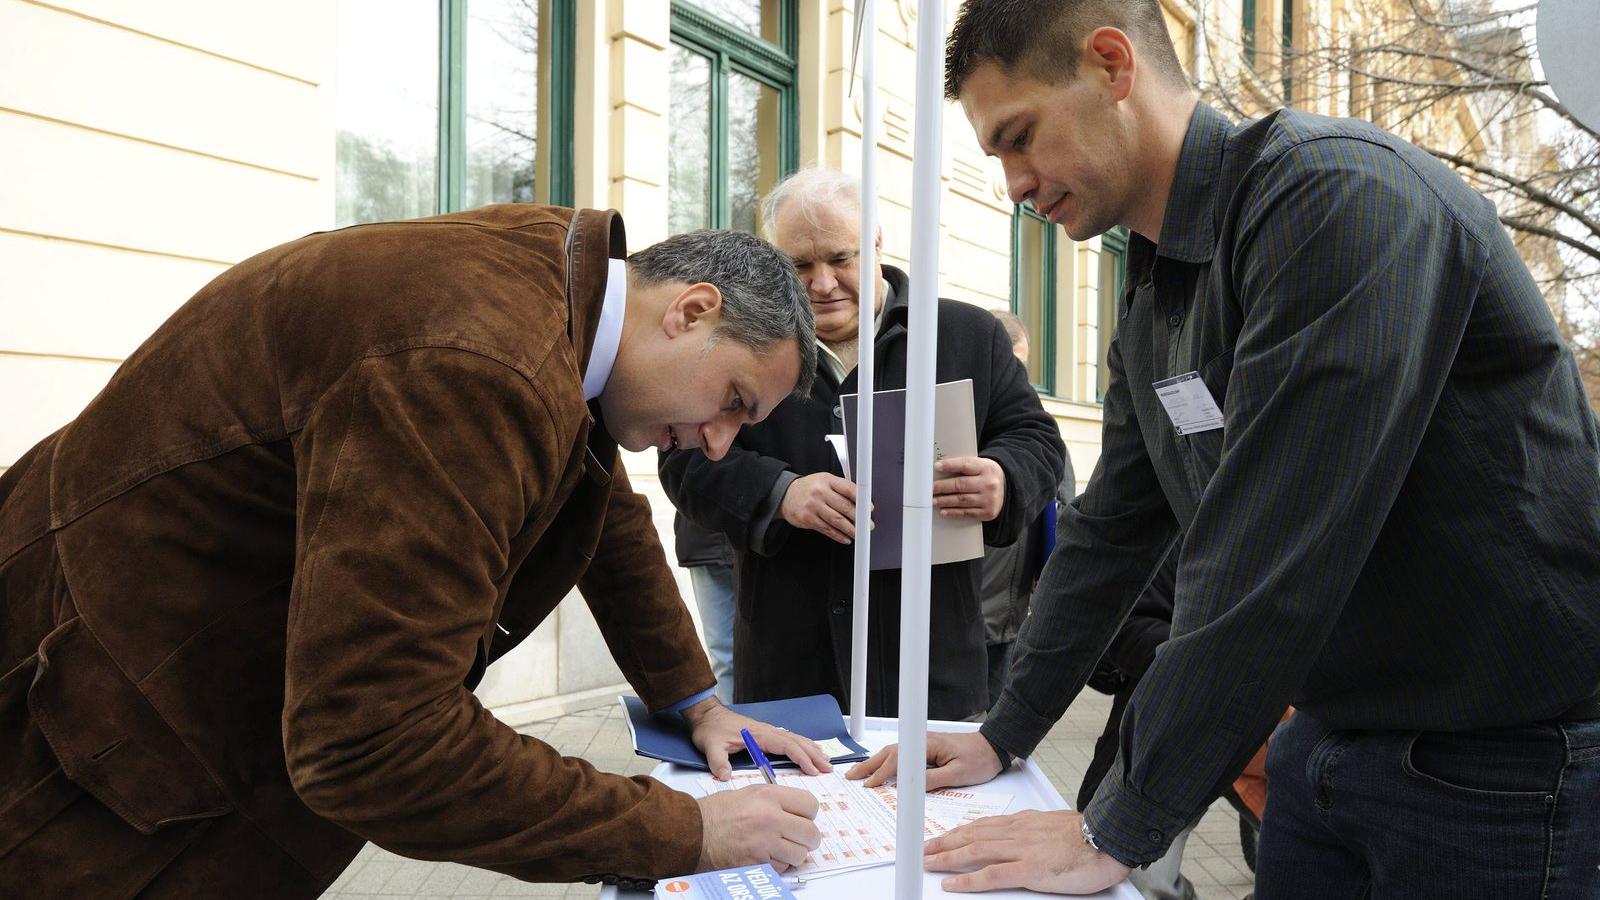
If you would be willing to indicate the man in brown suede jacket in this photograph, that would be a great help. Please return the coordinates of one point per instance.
(245, 595)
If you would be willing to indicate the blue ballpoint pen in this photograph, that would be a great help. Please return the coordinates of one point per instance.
(756, 754)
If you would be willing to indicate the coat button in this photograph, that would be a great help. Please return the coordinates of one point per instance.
(1154, 836)
(1174, 320)
(839, 606)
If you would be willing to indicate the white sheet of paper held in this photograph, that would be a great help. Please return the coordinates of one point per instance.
(858, 823)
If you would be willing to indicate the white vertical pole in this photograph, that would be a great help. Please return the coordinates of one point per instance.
(916, 548)
(868, 285)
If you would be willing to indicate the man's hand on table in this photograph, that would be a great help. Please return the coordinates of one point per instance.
(761, 823)
(954, 759)
(715, 732)
(1041, 851)
(758, 824)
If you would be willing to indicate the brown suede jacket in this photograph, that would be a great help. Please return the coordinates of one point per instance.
(245, 595)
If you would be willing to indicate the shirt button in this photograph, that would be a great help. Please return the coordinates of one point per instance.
(1154, 836)
(1174, 320)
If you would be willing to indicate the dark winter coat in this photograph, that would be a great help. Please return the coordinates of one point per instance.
(793, 624)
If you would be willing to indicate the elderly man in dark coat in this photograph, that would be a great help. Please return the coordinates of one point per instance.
(780, 496)
(245, 595)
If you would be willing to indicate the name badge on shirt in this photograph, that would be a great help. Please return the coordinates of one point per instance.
(1189, 405)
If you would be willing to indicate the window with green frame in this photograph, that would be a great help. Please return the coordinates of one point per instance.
(733, 109)
(1247, 31)
(1033, 291)
(1286, 67)
(1113, 277)
(451, 105)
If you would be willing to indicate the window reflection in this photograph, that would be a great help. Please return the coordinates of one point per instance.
(758, 17)
(502, 50)
(689, 144)
(1033, 269)
(387, 111)
(752, 148)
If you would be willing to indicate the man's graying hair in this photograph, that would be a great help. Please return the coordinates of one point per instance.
(1015, 330)
(811, 188)
(763, 301)
(1044, 38)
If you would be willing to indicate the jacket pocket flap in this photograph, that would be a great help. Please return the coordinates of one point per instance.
(111, 741)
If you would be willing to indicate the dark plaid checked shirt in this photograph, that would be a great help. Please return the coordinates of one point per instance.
(1399, 525)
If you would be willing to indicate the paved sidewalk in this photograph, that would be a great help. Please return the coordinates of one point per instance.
(1212, 859)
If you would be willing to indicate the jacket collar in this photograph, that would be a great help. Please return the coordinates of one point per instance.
(594, 238)
(897, 309)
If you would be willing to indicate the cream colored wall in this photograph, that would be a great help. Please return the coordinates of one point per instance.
(146, 147)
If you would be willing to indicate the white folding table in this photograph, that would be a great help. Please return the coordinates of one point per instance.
(1025, 781)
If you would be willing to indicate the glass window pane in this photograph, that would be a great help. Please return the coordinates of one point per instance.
(758, 17)
(752, 148)
(1111, 281)
(386, 111)
(502, 69)
(1030, 298)
(689, 143)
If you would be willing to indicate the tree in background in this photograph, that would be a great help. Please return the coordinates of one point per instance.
(1458, 79)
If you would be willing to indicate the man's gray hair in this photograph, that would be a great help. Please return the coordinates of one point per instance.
(1015, 330)
(763, 301)
(811, 188)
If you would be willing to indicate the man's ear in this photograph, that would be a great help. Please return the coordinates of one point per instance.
(1111, 53)
(877, 245)
(697, 306)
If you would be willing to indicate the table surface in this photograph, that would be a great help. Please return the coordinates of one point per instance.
(1026, 782)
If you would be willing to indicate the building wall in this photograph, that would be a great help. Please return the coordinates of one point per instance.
(148, 146)
(203, 135)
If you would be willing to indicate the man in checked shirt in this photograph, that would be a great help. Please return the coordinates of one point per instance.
(1336, 381)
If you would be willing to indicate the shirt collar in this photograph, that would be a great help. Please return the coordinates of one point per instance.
(609, 335)
(1188, 229)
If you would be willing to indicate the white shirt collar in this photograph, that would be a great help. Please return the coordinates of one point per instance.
(609, 334)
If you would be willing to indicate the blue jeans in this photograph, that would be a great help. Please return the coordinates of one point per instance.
(1499, 814)
(713, 595)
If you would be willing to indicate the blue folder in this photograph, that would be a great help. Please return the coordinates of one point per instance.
(665, 736)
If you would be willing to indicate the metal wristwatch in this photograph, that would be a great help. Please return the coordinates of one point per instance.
(1088, 837)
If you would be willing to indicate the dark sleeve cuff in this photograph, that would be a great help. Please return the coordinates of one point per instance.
(1013, 727)
(1006, 759)
(1128, 826)
(1004, 529)
(765, 526)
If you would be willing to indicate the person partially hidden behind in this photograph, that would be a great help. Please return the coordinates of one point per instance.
(1010, 571)
(245, 595)
(1335, 381)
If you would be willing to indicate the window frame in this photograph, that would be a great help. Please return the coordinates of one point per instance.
(1247, 31)
(1046, 339)
(732, 50)
(1113, 243)
(451, 166)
